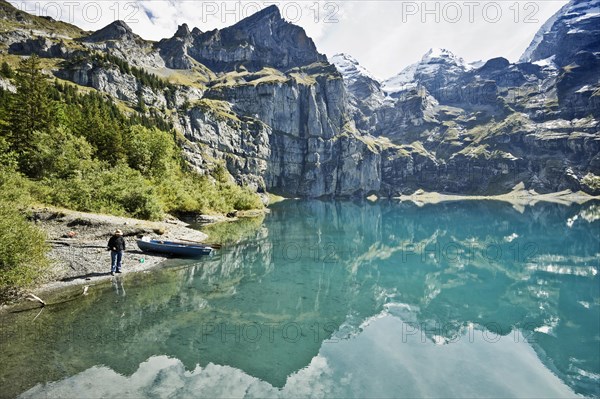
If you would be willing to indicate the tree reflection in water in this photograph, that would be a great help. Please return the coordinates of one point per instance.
(316, 271)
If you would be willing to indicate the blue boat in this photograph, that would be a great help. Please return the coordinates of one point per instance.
(174, 248)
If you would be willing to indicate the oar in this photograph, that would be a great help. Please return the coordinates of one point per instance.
(215, 246)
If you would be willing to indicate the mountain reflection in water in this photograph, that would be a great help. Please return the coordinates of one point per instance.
(340, 298)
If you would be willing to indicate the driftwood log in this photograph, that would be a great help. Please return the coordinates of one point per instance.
(34, 298)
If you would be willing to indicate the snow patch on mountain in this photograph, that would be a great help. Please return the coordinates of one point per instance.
(361, 83)
(403, 81)
(569, 16)
(443, 56)
(539, 36)
(476, 64)
(435, 61)
(350, 68)
(546, 63)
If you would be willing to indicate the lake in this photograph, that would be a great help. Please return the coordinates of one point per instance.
(338, 299)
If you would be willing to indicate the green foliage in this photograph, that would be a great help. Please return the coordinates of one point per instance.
(7, 157)
(151, 151)
(59, 154)
(102, 127)
(220, 174)
(83, 153)
(6, 70)
(124, 191)
(15, 189)
(119, 191)
(141, 104)
(190, 192)
(234, 232)
(23, 249)
(28, 110)
(241, 198)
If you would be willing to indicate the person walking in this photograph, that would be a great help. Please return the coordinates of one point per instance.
(116, 245)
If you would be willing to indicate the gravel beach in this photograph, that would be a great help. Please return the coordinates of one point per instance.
(78, 244)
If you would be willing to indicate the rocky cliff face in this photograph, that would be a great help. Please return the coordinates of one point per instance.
(260, 99)
(571, 41)
(174, 51)
(119, 40)
(359, 81)
(263, 39)
(311, 149)
(574, 28)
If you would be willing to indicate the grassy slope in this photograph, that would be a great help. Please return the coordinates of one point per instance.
(11, 17)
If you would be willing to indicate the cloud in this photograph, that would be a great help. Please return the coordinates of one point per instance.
(385, 360)
(387, 36)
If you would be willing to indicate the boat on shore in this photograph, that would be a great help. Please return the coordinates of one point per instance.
(175, 248)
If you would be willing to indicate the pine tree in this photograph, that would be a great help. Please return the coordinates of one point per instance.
(101, 128)
(30, 108)
(7, 71)
(141, 103)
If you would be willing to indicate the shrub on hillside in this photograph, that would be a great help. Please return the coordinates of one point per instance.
(23, 249)
(22, 253)
(119, 191)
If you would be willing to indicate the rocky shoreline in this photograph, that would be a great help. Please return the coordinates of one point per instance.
(519, 197)
(79, 256)
(78, 244)
(78, 240)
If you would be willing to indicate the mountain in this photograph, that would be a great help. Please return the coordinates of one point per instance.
(359, 81)
(9, 15)
(574, 28)
(490, 124)
(117, 30)
(402, 81)
(436, 70)
(571, 41)
(365, 94)
(262, 39)
(174, 50)
(258, 98)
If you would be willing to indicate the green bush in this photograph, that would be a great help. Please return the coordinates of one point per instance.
(81, 152)
(23, 249)
(191, 192)
(177, 193)
(74, 193)
(8, 159)
(15, 188)
(130, 192)
(119, 191)
(220, 174)
(6, 70)
(151, 151)
(242, 198)
(22, 253)
(59, 154)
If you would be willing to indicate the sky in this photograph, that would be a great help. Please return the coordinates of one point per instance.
(384, 36)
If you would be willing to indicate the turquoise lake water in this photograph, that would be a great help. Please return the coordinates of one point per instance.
(338, 299)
